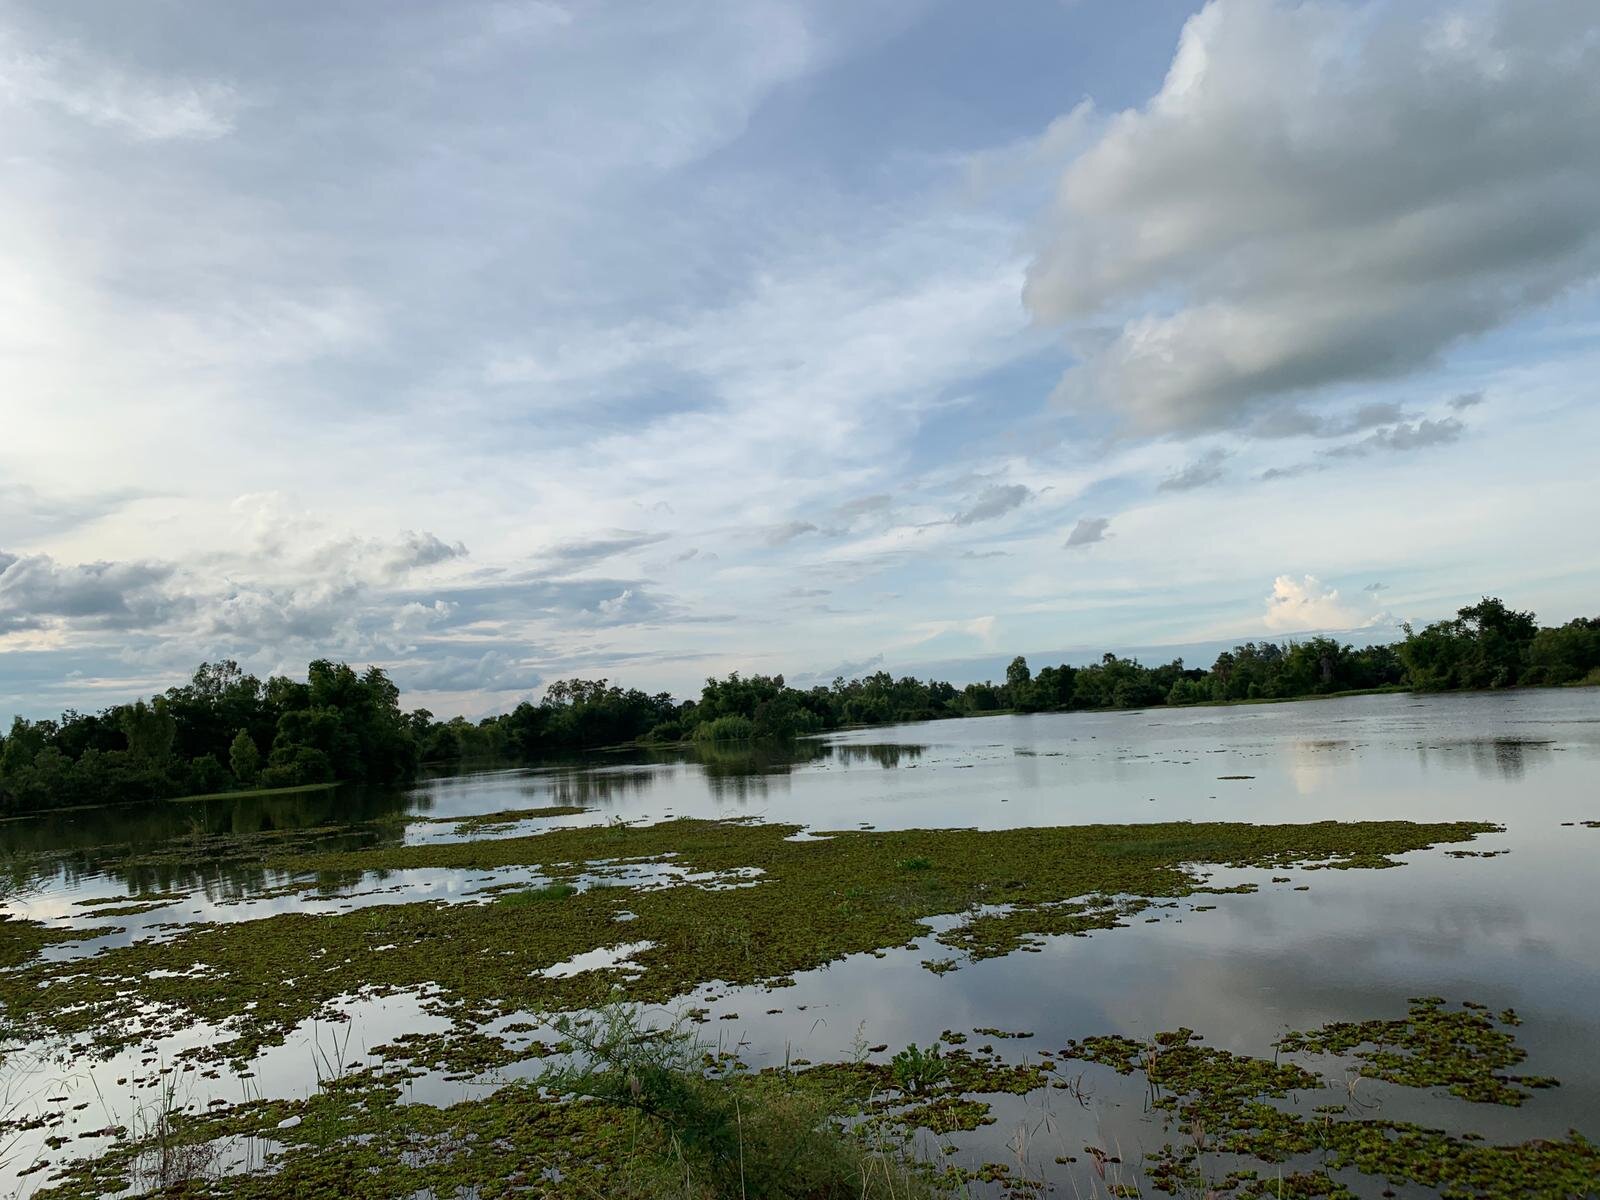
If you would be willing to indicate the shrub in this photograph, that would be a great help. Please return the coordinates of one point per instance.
(725, 729)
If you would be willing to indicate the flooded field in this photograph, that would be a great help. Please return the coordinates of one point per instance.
(1063, 905)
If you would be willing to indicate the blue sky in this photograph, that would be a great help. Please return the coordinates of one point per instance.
(503, 342)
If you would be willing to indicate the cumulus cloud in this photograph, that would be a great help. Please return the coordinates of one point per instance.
(416, 617)
(994, 502)
(412, 551)
(1304, 604)
(1088, 531)
(36, 588)
(1206, 469)
(492, 671)
(1324, 193)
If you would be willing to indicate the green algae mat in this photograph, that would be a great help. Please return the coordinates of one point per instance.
(765, 903)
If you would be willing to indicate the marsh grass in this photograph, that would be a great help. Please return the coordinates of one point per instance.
(533, 897)
(726, 1132)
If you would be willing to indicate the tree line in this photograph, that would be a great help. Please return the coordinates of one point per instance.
(226, 730)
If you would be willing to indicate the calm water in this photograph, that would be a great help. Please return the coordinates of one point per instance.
(1520, 930)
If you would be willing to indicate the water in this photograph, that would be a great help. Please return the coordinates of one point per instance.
(1519, 930)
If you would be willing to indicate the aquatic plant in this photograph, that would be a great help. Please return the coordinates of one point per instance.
(916, 1070)
(259, 979)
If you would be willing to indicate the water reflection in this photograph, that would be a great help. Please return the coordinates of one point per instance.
(1509, 758)
(217, 846)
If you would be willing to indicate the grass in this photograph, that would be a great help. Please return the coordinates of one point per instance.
(533, 897)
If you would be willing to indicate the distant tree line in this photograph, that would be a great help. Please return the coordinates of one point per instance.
(222, 731)
(227, 730)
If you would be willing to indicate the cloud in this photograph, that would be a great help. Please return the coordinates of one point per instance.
(584, 552)
(1304, 604)
(146, 108)
(416, 617)
(1466, 400)
(1206, 469)
(1416, 435)
(1290, 472)
(26, 513)
(1088, 531)
(492, 671)
(976, 554)
(994, 502)
(1293, 421)
(1321, 194)
(865, 506)
(852, 669)
(780, 535)
(1375, 587)
(413, 551)
(34, 588)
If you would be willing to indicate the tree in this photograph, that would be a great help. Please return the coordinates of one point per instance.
(244, 757)
(149, 728)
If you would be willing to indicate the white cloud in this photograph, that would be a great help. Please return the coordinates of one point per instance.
(1322, 193)
(1304, 604)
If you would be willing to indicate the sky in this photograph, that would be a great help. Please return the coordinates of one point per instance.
(503, 342)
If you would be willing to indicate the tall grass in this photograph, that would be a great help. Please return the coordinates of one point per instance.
(729, 1134)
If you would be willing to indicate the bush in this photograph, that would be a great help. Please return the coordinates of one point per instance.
(725, 729)
(296, 766)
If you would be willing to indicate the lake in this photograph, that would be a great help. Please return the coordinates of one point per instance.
(1509, 920)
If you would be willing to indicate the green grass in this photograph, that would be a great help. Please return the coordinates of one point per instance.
(532, 897)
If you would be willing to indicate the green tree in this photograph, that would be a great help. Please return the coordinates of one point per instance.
(149, 728)
(244, 757)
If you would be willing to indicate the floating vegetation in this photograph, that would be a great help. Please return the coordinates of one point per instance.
(815, 901)
(490, 822)
(1221, 1104)
(21, 939)
(639, 1112)
(1431, 1046)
